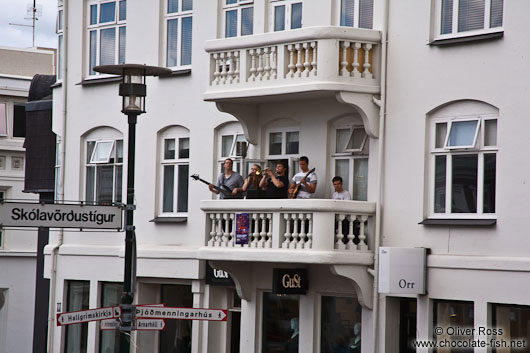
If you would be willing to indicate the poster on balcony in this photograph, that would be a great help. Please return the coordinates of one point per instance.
(242, 228)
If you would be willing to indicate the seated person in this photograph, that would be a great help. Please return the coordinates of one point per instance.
(340, 193)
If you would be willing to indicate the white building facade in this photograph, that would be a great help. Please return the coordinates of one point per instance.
(351, 84)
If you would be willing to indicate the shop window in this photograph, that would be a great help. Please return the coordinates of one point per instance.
(178, 20)
(357, 13)
(176, 338)
(78, 293)
(109, 340)
(449, 315)
(511, 323)
(280, 326)
(340, 325)
(238, 17)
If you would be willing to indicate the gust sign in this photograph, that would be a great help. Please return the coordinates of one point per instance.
(77, 317)
(149, 312)
(19, 214)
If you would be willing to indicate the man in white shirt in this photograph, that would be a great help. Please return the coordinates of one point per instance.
(340, 193)
(305, 182)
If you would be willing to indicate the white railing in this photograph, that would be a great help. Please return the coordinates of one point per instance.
(291, 224)
(325, 56)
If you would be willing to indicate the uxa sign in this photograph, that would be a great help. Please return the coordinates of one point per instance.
(18, 214)
(289, 281)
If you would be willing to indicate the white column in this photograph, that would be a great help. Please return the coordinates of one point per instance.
(248, 324)
(306, 323)
(197, 288)
(323, 231)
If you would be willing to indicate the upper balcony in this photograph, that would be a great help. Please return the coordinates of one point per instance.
(293, 231)
(313, 59)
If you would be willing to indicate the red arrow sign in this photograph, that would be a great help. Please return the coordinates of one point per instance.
(150, 312)
(77, 317)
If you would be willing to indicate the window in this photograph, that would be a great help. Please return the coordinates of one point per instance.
(109, 340)
(513, 321)
(238, 17)
(340, 324)
(280, 323)
(462, 17)
(357, 13)
(463, 164)
(176, 338)
(104, 165)
(19, 120)
(106, 33)
(350, 159)
(78, 293)
(286, 14)
(178, 20)
(60, 36)
(452, 314)
(174, 171)
(283, 142)
(232, 144)
(3, 119)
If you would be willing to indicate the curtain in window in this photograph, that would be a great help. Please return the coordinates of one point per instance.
(107, 12)
(279, 18)
(172, 42)
(185, 56)
(169, 188)
(172, 6)
(471, 15)
(183, 181)
(121, 56)
(296, 15)
(107, 47)
(247, 21)
(123, 10)
(360, 179)
(231, 24)
(187, 5)
(366, 14)
(347, 13)
(447, 17)
(93, 50)
(497, 7)
(342, 169)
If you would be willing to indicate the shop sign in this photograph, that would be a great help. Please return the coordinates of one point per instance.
(217, 277)
(242, 228)
(289, 281)
(402, 270)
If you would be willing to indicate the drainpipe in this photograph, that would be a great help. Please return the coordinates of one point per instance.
(382, 115)
(62, 152)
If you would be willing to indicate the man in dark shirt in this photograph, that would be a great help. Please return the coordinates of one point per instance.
(275, 186)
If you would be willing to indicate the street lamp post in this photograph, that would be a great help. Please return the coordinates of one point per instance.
(133, 92)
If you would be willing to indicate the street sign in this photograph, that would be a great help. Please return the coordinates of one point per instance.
(141, 324)
(77, 317)
(148, 312)
(25, 214)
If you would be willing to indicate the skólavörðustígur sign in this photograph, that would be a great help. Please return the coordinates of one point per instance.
(21, 214)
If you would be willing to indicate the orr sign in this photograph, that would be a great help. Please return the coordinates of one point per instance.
(402, 270)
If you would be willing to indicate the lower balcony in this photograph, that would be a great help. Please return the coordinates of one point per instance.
(291, 231)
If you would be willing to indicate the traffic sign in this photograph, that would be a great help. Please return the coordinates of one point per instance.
(141, 324)
(145, 311)
(77, 317)
(26, 214)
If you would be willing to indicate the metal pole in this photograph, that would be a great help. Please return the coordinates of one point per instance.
(34, 10)
(130, 258)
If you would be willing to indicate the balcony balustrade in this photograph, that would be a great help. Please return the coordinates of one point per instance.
(302, 60)
(291, 229)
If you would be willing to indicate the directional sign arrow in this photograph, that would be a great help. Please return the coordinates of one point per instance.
(78, 317)
(141, 324)
(149, 312)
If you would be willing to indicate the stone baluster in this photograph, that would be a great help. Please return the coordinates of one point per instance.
(314, 62)
(268, 242)
(288, 233)
(252, 53)
(309, 243)
(303, 231)
(355, 72)
(344, 63)
(299, 64)
(237, 63)
(219, 229)
(253, 232)
(339, 243)
(362, 236)
(212, 230)
(222, 76)
(262, 233)
(367, 66)
(291, 65)
(230, 62)
(216, 72)
(260, 63)
(307, 64)
(267, 62)
(351, 221)
(274, 63)
(223, 239)
(232, 235)
(296, 231)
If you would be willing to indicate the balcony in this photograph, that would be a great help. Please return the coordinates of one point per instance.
(291, 231)
(308, 63)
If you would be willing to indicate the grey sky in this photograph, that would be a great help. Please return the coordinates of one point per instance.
(14, 11)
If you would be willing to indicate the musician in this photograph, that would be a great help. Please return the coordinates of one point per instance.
(308, 185)
(275, 186)
(228, 180)
(251, 185)
(340, 193)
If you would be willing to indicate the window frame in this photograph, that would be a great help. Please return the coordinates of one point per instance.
(59, 30)
(115, 163)
(98, 27)
(176, 162)
(177, 15)
(356, 14)
(283, 154)
(437, 35)
(238, 6)
(288, 14)
(477, 149)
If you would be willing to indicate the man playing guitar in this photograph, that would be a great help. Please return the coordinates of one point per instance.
(304, 183)
(228, 180)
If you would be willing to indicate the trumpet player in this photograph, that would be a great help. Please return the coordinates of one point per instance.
(275, 186)
(251, 184)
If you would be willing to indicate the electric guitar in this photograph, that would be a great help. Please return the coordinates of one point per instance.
(225, 190)
(293, 191)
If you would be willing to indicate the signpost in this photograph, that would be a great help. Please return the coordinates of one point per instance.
(141, 324)
(26, 214)
(77, 317)
(149, 312)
